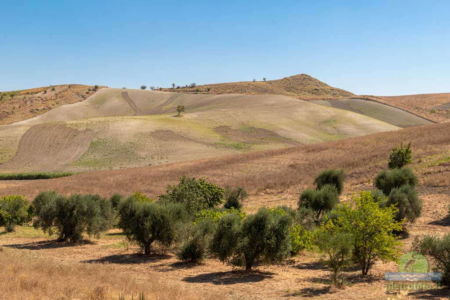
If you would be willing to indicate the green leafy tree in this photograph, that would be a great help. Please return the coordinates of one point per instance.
(331, 177)
(337, 245)
(408, 203)
(225, 238)
(195, 194)
(13, 211)
(371, 228)
(300, 239)
(180, 110)
(438, 249)
(400, 156)
(145, 223)
(234, 197)
(387, 180)
(319, 201)
(72, 216)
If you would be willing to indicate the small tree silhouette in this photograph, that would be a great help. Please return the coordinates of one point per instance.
(180, 110)
(264, 78)
(143, 87)
(173, 85)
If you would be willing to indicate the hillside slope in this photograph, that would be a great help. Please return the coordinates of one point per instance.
(117, 128)
(24, 104)
(300, 86)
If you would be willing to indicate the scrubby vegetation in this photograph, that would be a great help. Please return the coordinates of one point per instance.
(400, 156)
(439, 250)
(34, 176)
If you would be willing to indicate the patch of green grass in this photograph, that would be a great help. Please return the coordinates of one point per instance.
(235, 146)
(119, 245)
(34, 176)
(24, 232)
(413, 262)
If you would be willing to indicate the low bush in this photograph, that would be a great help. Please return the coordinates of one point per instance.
(72, 216)
(193, 250)
(331, 177)
(234, 197)
(13, 211)
(400, 156)
(439, 250)
(300, 239)
(387, 180)
(195, 194)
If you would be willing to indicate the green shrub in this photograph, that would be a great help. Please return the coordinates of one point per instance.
(115, 201)
(72, 216)
(371, 228)
(234, 197)
(439, 250)
(320, 201)
(331, 177)
(409, 205)
(395, 178)
(146, 222)
(337, 245)
(300, 239)
(196, 194)
(400, 156)
(193, 250)
(13, 211)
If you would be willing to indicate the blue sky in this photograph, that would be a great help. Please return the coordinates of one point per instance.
(370, 47)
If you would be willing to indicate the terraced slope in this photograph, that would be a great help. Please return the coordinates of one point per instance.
(300, 86)
(378, 111)
(117, 128)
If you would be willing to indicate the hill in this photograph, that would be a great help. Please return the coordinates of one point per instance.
(301, 86)
(116, 128)
(24, 104)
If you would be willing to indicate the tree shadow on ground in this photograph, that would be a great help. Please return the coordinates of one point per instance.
(230, 277)
(310, 292)
(443, 222)
(442, 293)
(317, 265)
(53, 244)
(135, 258)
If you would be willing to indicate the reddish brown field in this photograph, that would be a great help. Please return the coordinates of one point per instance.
(25, 104)
(435, 107)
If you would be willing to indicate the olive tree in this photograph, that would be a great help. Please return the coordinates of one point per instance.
(13, 211)
(331, 177)
(387, 180)
(319, 201)
(234, 197)
(72, 216)
(195, 194)
(408, 203)
(145, 223)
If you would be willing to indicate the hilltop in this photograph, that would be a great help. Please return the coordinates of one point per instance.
(301, 86)
(20, 105)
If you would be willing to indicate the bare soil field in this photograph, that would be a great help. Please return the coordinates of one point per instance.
(20, 105)
(118, 128)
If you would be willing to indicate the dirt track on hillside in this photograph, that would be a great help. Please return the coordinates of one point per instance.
(49, 147)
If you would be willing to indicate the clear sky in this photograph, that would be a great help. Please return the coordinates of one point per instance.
(366, 46)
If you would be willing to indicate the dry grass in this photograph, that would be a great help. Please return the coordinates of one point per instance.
(301, 86)
(279, 174)
(24, 104)
(29, 276)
